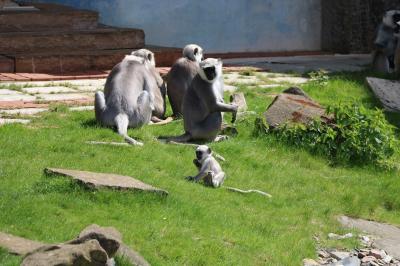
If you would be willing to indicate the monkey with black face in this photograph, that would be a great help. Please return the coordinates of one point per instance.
(209, 169)
(387, 39)
(130, 92)
(203, 104)
(181, 75)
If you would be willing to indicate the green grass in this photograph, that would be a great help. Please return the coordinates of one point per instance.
(194, 225)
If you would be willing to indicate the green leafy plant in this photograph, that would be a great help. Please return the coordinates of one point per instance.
(319, 77)
(357, 136)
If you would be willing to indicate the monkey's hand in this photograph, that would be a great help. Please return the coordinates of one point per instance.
(234, 115)
(190, 178)
(196, 163)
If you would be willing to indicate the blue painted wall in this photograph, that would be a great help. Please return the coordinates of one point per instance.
(217, 25)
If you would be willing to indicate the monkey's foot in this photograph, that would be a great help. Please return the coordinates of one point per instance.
(208, 180)
(158, 121)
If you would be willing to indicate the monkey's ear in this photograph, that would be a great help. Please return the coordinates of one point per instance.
(196, 50)
(209, 150)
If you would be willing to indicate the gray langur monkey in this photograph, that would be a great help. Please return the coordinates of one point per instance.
(130, 94)
(181, 75)
(202, 104)
(386, 41)
(209, 169)
(160, 93)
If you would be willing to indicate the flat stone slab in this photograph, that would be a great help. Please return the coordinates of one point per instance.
(387, 91)
(46, 90)
(16, 97)
(24, 111)
(91, 88)
(236, 78)
(62, 97)
(82, 108)
(290, 80)
(4, 121)
(388, 235)
(239, 100)
(230, 88)
(290, 108)
(9, 92)
(99, 180)
(18, 245)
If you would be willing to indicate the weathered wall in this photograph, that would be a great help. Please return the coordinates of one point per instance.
(350, 25)
(217, 25)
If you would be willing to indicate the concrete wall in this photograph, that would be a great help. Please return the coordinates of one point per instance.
(217, 25)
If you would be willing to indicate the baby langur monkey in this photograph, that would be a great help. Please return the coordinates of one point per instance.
(209, 169)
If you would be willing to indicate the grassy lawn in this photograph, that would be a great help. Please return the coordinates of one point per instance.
(194, 225)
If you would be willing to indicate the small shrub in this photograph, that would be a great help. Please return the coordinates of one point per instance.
(358, 136)
(319, 77)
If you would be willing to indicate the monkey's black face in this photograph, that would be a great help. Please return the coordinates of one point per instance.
(396, 18)
(199, 155)
(210, 72)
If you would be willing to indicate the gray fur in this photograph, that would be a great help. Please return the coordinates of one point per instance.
(386, 41)
(181, 75)
(209, 169)
(202, 105)
(130, 96)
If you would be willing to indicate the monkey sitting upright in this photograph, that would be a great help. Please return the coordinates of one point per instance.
(209, 169)
(203, 104)
(387, 39)
(181, 75)
(132, 94)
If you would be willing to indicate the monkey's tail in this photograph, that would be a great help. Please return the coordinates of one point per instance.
(248, 191)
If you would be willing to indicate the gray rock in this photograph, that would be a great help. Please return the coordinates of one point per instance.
(89, 253)
(296, 91)
(239, 100)
(388, 235)
(349, 261)
(100, 180)
(310, 262)
(18, 245)
(132, 256)
(339, 255)
(388, 93)
(290, 108)
(108, 237)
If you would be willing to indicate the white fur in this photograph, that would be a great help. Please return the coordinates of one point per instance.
(388, 18)
(188, 52)
(211, 62)
(204, 152)
(134, 58)
(144, 53)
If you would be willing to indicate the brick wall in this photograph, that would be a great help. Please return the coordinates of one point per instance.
(348, 26)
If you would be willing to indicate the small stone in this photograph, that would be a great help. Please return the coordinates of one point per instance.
(323, 254)
(87, 253)
(349, 261)
(339, 255)
(310, 262)
(239, 100)
(368, 259)
(333, 236)
(108, 237)
(377, 253)
(387, 259)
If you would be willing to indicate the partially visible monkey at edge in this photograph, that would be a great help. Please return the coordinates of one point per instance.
(388, 37)
(132, 94)
(181, 75)
(203, 104)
